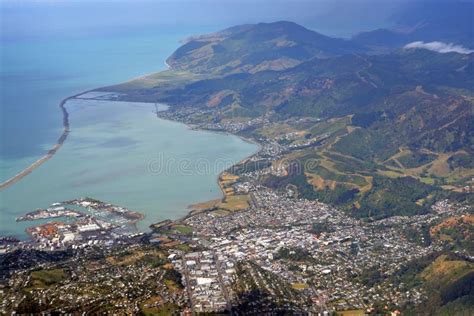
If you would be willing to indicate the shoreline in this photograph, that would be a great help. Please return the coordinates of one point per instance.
(190, 211)
(66, 130)
(243, 138)
(50, 153)
(62, 138)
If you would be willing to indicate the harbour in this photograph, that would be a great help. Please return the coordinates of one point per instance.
(117, 152)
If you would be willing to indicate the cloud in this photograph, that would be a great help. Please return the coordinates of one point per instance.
(440, 47)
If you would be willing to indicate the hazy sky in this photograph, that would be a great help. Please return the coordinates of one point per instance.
(337, 17)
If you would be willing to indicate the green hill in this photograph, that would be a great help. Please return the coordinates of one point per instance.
(449, 281)
(253, 48)
(392, 132)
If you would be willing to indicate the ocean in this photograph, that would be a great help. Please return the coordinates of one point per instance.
(111, 146)
(50, 50)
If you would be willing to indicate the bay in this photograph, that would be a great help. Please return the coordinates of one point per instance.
(50, 50)
(37, 73)
(121, 153)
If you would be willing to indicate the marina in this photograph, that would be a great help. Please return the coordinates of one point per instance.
(78, 223)
(117, 152)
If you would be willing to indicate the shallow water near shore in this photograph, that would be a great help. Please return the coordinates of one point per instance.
(120, 152)
(48, 52)
(112, 147)
(36, 73)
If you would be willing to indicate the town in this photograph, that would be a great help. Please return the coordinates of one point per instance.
(258, 244)
(315, 250)
(304, 256)
(258, 250)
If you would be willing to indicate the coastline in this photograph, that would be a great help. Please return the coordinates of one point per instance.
(192, 211)
(62, 138)
(66, 130)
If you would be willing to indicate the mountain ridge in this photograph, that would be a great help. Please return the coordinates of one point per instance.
(374, 122)
(256, 47)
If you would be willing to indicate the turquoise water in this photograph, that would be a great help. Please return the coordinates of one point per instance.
(53, 49)
(122, 153)
(37, 72)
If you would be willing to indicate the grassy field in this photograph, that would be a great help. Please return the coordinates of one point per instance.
(186, 230)
(47, 278)
(299, 286)
(149, 308)
(128, 257)
(235, 203)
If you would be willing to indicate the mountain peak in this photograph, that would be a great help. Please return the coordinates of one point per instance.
(256, 47)
(284, 24)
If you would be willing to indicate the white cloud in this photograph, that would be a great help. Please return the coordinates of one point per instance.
(440, 47)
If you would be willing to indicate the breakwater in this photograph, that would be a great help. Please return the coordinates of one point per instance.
(50, 152)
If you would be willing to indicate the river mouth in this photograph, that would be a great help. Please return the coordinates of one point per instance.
(123, 153)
